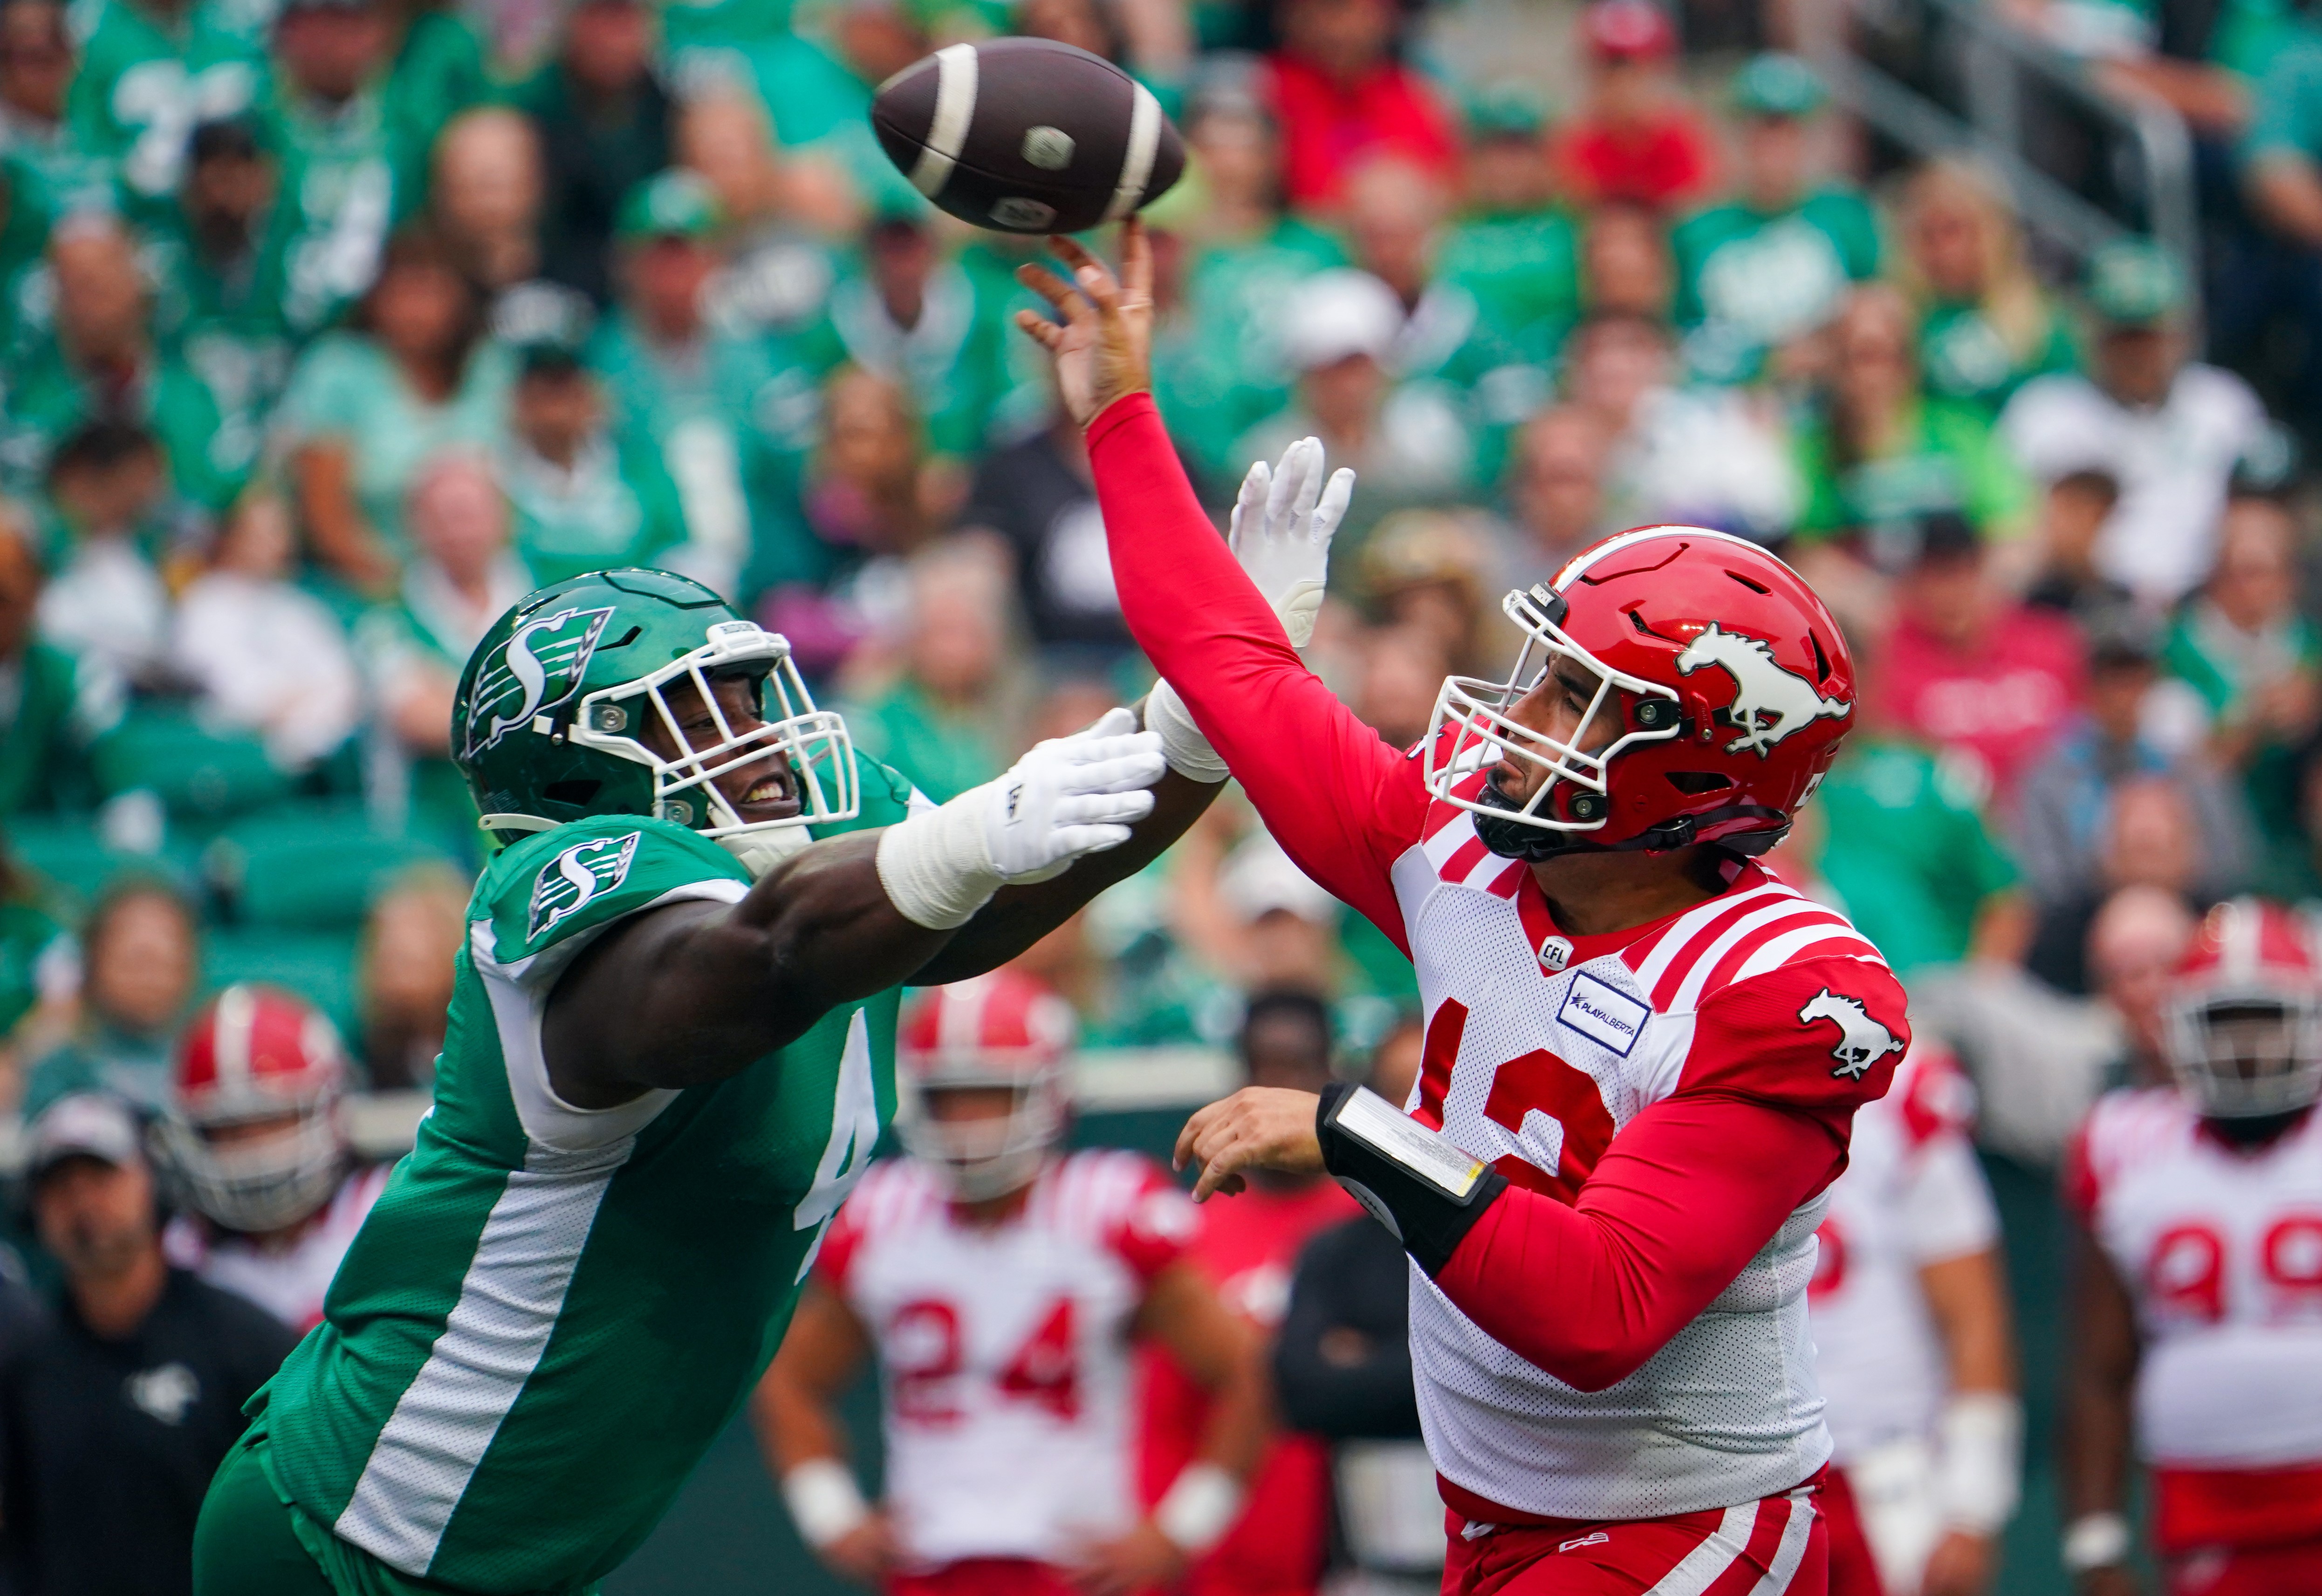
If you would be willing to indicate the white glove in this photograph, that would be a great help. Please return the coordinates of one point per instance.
(1283, 522)
(1068, 797)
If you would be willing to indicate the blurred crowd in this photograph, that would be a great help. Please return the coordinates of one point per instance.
(329, 328)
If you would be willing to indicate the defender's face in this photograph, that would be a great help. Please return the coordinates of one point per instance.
(760, 789)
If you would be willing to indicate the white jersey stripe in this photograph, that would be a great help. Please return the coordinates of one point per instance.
(1688, 992)
(498, 1330)
(1777, 951)
(1791, 1550)
(1675, 941)
(1700, 1567)
(1448, 841)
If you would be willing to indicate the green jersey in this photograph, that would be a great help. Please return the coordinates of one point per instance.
(148, 78)
(552, 1313)
(1748, 281)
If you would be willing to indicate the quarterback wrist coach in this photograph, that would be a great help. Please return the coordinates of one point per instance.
(1415, 1181)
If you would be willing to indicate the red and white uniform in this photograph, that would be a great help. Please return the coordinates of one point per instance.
(288, 1278)
(1004, 1350)
(1567, 1372)
(1912, 1195)
(2222, 1249)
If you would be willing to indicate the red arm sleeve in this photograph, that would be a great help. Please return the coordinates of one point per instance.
(1341, 803)
(1690, 1191)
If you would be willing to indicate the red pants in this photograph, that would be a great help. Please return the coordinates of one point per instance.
(1777, 1547)
(985, 1576)
(1853, 1572)
(2294, 1570)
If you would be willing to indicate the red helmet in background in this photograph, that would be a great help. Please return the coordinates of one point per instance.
(1716, 687)
(2243, 1013)
(254, 1133)
(1001, 1031)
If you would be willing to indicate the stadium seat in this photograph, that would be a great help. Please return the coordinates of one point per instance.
(203, 776)
(308, 868)
(67, 851)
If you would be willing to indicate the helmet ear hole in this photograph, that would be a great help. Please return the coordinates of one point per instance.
(1695, 782)
(1821, 660)
(576, 793)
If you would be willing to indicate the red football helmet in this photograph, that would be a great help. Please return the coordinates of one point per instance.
(1003, 1030)
(254, 1132)
(2245, 1013)
(1716, 688)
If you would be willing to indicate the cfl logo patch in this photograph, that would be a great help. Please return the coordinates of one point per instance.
(1555, 953)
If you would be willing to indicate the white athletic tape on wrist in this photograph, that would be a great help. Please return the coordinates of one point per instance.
(2096, 1540)
(824, 1501)
(1201, 1506)
(1977, 1478)
(1189, 752)
(935, 867)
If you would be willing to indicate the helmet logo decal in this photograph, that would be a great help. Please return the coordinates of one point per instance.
(1769, 700)
(576, 878)
(538, 667)
(1862, 1041)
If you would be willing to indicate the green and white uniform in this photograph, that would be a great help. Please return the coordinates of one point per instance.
(552, 1313)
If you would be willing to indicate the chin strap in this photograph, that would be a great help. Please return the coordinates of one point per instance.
(1511, 838)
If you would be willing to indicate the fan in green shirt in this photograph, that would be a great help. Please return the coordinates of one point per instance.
(1773, 264)
(1986, 325)
(153, 70)
(1515, 251)
(578, 502)
(52, 707)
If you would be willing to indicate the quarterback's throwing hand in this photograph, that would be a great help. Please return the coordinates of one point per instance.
(1283, 522)
(1265, 1127)
(1103, 345)
(1071, 796)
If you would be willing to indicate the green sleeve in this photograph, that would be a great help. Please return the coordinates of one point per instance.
(1998, 497)
(1847, 217)
(2182, 658)
(1823, 514)
(327, 392)
(2286, 111)
(1690, 244)
(1976, 861)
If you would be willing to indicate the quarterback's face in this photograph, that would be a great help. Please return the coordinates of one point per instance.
(1556, 708)
(760, 789)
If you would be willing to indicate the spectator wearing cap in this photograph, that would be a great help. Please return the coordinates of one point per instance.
(604, 120)
(1514, 250)
(263, 656)
(104, 365)
(1760, 272)
(1986, 325)
(460, 577)
(1708, 456)
(578, 500)
(2169, 430)
(223, 293)
(2246, 646)
(1971, 671)
(1876, 454)
(414, 373)
(53, 172)
(190, 63)
(730, 416)
(2132, 727)
(115, 1414)
(52, 703)
(1341, 97)
(486, 199)
(1411, 443)
(140, 964)
(353, 159)
(1636, 141)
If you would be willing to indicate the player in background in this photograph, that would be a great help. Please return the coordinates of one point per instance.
(1644, 1052)
(670, 1054)
(1913, 1347)
(2197, 1300)
(1002, 1284)
(254, 1141)
(1248, 1251)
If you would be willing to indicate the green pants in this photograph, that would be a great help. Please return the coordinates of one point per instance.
(245, 1543)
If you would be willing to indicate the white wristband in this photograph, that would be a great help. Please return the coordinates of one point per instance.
(935, 866)
(1189, 752)
(1981, 1433)
(2094, 1541)
(824, 1501)
(1201, 1506)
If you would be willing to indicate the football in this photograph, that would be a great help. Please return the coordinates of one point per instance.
(1027, 135)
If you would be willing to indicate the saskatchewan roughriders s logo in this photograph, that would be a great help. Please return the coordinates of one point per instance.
(538, 667)
(577, 877)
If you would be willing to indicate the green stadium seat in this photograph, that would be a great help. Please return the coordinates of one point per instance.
(319, 966)
(202, 777)
(66, 850)
(314, 867)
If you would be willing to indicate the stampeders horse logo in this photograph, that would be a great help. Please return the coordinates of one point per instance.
(536, 670)
(1769, 701)
(1862, 1041)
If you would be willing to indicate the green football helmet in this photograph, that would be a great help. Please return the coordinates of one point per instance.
(545, 723)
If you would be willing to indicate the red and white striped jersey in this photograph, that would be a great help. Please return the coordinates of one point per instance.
(1541, 1048)
(288, 1280)
(1912, 1195)
(2222, 1248)
(1004, 1349)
